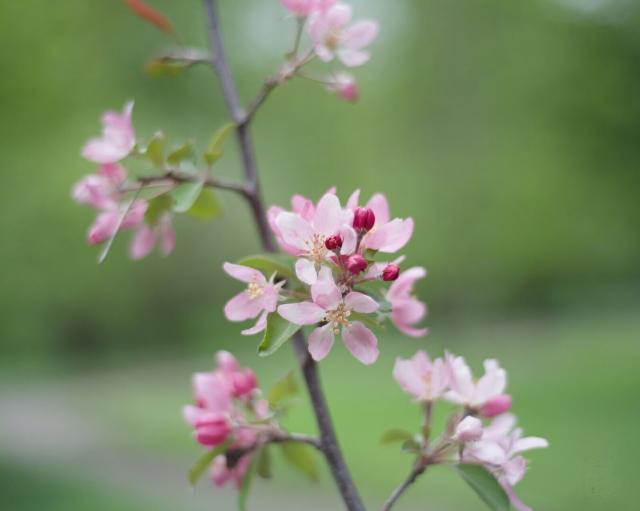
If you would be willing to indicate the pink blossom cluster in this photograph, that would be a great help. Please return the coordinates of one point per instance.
(336, 250)
(105, 190)
(229, 410)
(470, 439)
(334, 36)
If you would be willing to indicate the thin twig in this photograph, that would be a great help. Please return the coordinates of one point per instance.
(328, 439)
(397, 493)
(171, 178)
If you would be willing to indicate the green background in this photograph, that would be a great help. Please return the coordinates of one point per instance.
(507, 130)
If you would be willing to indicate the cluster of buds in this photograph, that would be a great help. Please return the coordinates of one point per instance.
(480, 431)
(335, 249)
(105, 191)
(229, 411)
(332, 36)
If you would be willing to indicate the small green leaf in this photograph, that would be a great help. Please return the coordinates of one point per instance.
(243, 494)
(181, 153)
(278, 331)
(269, 264)
(485, 485)
(300, 457)
(206, 206)
(155, 149)
(396, 435)
(214, 149)
(157, 206)
(286, 387)
(263, 463)
(185, 195)
(411, 446)
(203, 463)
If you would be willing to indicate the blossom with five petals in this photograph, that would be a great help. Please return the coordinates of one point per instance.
(468, 392)
(424, 379)
(333, 310)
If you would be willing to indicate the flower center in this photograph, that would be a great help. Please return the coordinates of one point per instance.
(255, 290)
(338, 317)
(332, 40)
(317, 249)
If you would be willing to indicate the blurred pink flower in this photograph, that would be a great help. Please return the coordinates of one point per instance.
(332, 36)
(468, 429)
(259, 298)
(345, 87)
(465, 390)
(406, 310)
(106, 223)
(100, 190)
(117, 140)
(146, 237)
(306, 7)
(422, 378)
(221, 474)
(330, 307)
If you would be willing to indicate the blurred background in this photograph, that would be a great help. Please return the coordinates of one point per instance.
(508, 130)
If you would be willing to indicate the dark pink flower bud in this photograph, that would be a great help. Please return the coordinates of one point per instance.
(243, 382)
(212, 429)
(496, 405)
(363, 219)
(333, 242)
(356, 264)
(390, 272)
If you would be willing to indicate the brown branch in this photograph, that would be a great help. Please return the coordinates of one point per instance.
(416, 472)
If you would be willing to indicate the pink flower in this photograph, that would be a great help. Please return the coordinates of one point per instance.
(259, 298)
(331, 36)
(117, 140)
(468, 429)
(386, 235)
(306, 232)
(345, 86)
(211, 429)
(422, 378)
(469, 392)
(500, 450)
(106, 223)
(221, 474)
(146, 237)
(306, 7)
(495, 406)
(100, 191)
(406, 310)
(331, 308)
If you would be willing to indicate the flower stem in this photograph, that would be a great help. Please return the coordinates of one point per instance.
(328, 441)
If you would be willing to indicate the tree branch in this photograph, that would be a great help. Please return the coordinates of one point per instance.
(397, 493)
(172, 177)
(328, 440)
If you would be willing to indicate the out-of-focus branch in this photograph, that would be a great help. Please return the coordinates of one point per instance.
(416, 472)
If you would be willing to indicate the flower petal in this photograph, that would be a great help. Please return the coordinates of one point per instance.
(328, 215)
(295, 230)
(320, 342)
(379, 205)
(302, 313)
(244, 273)
(142, 244)
(361, 342)
(306, 271)
(353, 58)
(260, 325)
(391, 236)
(324, 291)
(360, 302)
(242, 307)
(359, 35)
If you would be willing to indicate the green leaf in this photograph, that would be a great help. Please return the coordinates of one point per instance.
(396, 435)
(185, 195)
(157, 206)
(243, 494)
(485, 485)
(269, 264)
(181, 153)
(278, 331)
(214, 149)
(206, 206)
(411, 446)
(286, 387)
(155, 149)
(301, 457)
(263, 463)
(203, 463)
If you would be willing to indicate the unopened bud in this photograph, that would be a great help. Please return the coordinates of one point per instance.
(356, 264)
(390, 272)
(496, 405)
(333, 242)
(363, 219)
